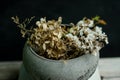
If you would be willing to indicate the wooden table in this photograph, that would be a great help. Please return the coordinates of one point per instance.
(109, 69)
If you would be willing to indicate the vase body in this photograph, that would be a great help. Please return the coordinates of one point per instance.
(36, 67)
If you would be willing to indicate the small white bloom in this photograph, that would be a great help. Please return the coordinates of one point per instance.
(91, 23)
(83, 46)
(51, 27)
(91, 37)
(75, 39)
(46, 42)
(38, 23)
(81, 32)
(44, 46)
(82, 23)
(69, 35)
(44, 26)
(43, 20)
(98, 30)
(106, 40)
(59, 35)
(60, 19)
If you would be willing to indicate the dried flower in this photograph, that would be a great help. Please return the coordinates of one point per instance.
(55, 40)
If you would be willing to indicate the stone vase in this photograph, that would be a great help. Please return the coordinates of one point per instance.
(36, 67)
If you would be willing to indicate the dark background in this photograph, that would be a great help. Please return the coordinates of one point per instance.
(11, 42)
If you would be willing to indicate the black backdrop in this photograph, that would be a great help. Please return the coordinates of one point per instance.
(11, 43)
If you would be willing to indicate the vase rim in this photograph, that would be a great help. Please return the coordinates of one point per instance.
(41, 57)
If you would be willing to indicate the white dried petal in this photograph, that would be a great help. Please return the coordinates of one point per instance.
(81, 23)
(55, 33)
(59, 35)
(37, 38)
(44, 46)
(91, 23)
(88, 23)
(81, 33)
(46, 42)
(90, 37)
(45, 26)
(83, 46)
(52, 43)
(98, 30)
(60, 19)
(74, 39)
(38, 23)
(69, 35)
(106, 40)
(43, 20)
(51, 27)
(49, 51)
(36, 41)
(55, 39)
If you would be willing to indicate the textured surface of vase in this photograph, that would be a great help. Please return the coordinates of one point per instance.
(40, 68)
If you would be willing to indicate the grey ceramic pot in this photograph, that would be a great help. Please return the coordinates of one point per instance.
(40, 68)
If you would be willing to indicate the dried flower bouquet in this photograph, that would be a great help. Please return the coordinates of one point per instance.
(54, 40)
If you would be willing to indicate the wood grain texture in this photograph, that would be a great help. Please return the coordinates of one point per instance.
(111, 79)
(9, 70)
(109, 68)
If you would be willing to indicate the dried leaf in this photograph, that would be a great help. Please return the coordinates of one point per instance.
(102, 22)
(45, 26)
(44, 46)
(46, 42)
(23, 33)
